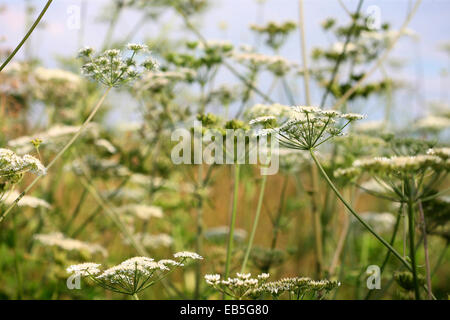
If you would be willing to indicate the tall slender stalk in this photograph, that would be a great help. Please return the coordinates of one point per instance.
(412, 249)
(25, 38)
(313, 173)
(60, 153)
(255, 223)
(199, 240)
(317, 221)
(340, 244)
(425, 248)
(304, 52)
(232, 220)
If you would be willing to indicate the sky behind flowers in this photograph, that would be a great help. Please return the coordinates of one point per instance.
(229, 19)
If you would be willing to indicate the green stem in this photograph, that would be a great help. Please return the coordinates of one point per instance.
(317, 222)
(26, 36)
(232, 221)
(135, 296)
(425, 248)
(412, 249)
(304, 52)
(199, 240)
(369, 228)
(255, 223)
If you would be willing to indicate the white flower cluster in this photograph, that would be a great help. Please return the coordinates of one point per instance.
(53, 135)
(59, 240)
(153, 241)
(278, 65)
(155, 81)
(84, 269)
(130, 269)
(388, 36)
(132, 275)
(389, 173)
(400, 164)
(26, 201)
(266, 110)
(240, 286)
(338, 47)
(263, 119)
(12, 164)
(307, 127)
(43, 74)
(105, 144)
(443, 153)
(188, 255)
(370, 127)
(298, 286)
(142, 211)
(112, 68)
(433, 123)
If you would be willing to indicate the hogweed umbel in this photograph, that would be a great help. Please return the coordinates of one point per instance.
(133, 275)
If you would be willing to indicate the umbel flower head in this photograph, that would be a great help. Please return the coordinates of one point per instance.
(243, 285)
(11, 164)
(132, 275)
(57, 239)
(297, 288)
(306, 128)
(13, 167)
(239, 287)
(113, 67)
(401, 177)
(276, 32)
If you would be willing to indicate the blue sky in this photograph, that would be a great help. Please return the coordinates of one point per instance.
(424, 61)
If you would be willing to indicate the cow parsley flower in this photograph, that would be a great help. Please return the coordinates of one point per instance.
(26, 201)
(114, 68)
(296, 288)
(153, 241)
(142, 211)
(84, 269)
(133, 275)
(57, 239)
(401, 177)
(239, 287)
(13, 166)
(307, 127)
(188, 255)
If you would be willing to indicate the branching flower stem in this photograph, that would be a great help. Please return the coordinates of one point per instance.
(25, 38)
(380, 61)
(352, 211)
(225, 63)
(60, 153)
